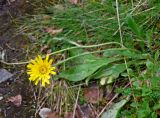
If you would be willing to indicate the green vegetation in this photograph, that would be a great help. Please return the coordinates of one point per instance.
(108, 42)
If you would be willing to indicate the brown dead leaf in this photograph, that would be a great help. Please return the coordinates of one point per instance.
(158, 112)
(16, 100)
(53, 31)
(68, 115)
(45, 49)
(53, 115)
(93, 94)
(46, 17)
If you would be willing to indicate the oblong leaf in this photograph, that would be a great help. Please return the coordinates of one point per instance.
(124, 52)
(113, 71)
(113, 111)
(134, 27)
(80, 72)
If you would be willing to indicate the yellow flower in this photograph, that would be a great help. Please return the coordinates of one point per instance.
(40, 70)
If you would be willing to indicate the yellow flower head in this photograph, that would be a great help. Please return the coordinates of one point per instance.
(40, 70)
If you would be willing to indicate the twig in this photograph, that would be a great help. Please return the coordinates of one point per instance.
(115, 96)
(119, 24)
(40, 106)
(120, 33)
(18, 63)
(75, 106)
(88, 46)
(8, 2)
(74, 86)
(75, 47)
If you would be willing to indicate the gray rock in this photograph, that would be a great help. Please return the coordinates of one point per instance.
(1, 98)
(4, 75)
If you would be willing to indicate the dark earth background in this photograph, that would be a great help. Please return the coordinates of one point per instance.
(13, 45)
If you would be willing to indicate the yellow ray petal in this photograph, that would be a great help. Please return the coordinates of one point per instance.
(47, 57)
(39, 70)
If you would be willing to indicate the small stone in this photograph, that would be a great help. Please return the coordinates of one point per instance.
(2, 54)
(4, 75)
(44, 112)
(1, 97)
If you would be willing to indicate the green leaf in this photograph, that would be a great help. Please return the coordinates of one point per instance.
(108, 74)
(80, 72)
(145, 110)
(134, 27)
(134, 104)
(156, 106)
(154, 115)
(112, 112)
(113, 71)
(124, 52)
(81, 59)
(155, 81)
(146, 91)
(149, 64)
(156, 56)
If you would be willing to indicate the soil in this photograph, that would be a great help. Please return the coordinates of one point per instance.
(14, 47)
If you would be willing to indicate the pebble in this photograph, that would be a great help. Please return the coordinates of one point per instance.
(1, 97)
